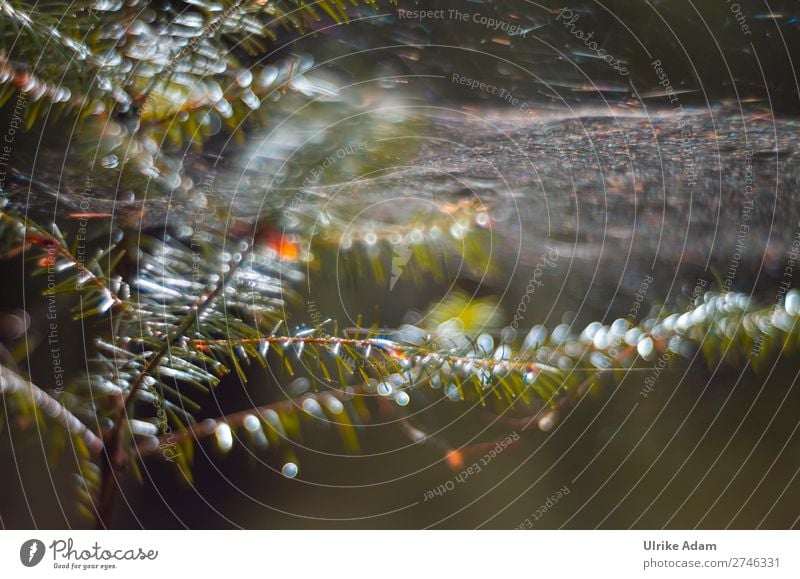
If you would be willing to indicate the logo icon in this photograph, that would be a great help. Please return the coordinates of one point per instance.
(32, 552)
(401, 256)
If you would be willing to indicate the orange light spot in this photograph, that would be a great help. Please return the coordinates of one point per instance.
(281, 244)
(289, 251)
(454, 459)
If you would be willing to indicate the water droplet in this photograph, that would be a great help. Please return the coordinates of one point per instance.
(457, 231)
(241, 353)
(560, 333)
(267, 76)
(224, 108)
(244, 78)
(396, 380)
(684, 322)
(670, 321)
(224, 437)
(402, 399)
(700, 313)
(311, 406)
(792, 303)
(384, 389)
(484, 344)
(565, 362)
(589, 332)
(299, 386)
(503, 353)
(452, 393)
(547, 422)
(573, 349)
(289, 470)
(645, 347)
(110, 161)
(334, 406)
(599, 360)
(535, 338)
(508, 335)
(251, 423)
(632, 336)
(620, 326)
(601, 339)
(143, 428)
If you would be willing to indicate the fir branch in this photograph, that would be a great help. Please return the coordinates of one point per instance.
(12, 384)
(195, 311)
(559, 368)
(15, 79)
(114, 457)
(172, 66)
(33, 234)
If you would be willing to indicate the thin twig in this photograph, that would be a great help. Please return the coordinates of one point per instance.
(13, 383)
(400, 352)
